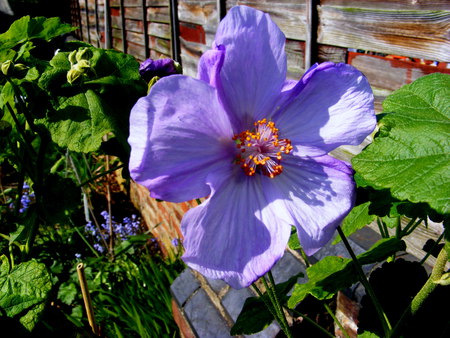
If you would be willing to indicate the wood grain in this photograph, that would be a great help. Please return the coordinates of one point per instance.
(420, 34)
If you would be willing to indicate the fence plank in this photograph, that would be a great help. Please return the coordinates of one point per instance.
(289, 15)
(420, 34)
(391, 4)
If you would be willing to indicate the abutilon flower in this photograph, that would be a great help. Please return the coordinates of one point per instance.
(256, 144)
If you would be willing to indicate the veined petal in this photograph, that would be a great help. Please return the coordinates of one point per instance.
(254, 68)
(333, 106)
(235, 235)
(210, 64)
(314, 194)
(178, 134)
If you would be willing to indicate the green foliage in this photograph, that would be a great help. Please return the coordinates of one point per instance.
(357, 219)
(26, 29)
(255, 316)
(93, 106)
(332, 274)
(411, 155)
(24, 290)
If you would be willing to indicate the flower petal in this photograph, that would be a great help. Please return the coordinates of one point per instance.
(235, 235)
(178, 134)
(254, 68)
(210, 65)
(315, 194)
(333, 106)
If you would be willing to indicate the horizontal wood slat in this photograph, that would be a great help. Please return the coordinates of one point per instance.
(420, 34)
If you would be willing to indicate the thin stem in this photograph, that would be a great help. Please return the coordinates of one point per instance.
(362, 276)
(431, 249)
(270, 289)
(305, 258)
(21, 131)
(381, 227)
(277, 302)
(268, 305)
(93, 178)
(312, 322)
(330, 312)
(411, 226)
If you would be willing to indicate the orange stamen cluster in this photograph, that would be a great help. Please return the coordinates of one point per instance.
(261, 150)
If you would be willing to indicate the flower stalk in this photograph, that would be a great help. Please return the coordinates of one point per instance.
(381, 314)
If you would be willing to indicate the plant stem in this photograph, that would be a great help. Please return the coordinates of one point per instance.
(362, 276)
(271, 292)
(330, 312)
(268, 305)
(312, 322)
(278, 304)
(431, 249)
(410, 227)
(424, 292)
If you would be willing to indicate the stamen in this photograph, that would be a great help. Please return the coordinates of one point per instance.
(261, 149)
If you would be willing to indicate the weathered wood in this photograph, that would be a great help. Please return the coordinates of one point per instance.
(190, 54)
(391, 4)
(390, 73)
(161, 30)
(198, 12)
(416, 241)
(421, 34)
(160, 45)
(156, 14)
(290, 16)
(138, 3)
(130, 25)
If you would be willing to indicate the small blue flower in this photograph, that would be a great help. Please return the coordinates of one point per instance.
(99, 248)
(78, 256)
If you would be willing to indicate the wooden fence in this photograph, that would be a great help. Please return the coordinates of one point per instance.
(392, 42)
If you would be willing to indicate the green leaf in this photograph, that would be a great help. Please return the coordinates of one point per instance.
(411, 153)
(332, 274)
(254, 317)
(294, 242)
(357, 219)
(96, 104)
(24, 290)
(27, 28)
(67, 292)
(80, 122)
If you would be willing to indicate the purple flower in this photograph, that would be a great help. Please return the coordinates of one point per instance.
(160, 67)
(256, 144)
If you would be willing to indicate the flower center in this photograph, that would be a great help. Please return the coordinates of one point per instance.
(261, 149)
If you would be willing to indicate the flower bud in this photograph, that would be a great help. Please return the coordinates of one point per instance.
(444, 280)
(82, 65)
(160, 67)
(7, 68)
(83, 54)
(73, 75)
(72, 57)
(19, 67)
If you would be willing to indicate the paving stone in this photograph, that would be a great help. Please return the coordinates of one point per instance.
(216, 284)
(184, 286)
(204, 317)
(234, 300)
(269, 332)
(287, 267)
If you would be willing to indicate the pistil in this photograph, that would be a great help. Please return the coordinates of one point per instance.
(261, 150)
